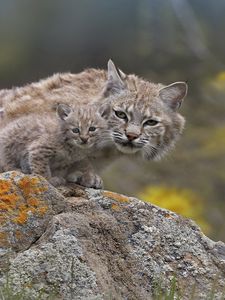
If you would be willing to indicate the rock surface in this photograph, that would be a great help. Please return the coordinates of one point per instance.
(90, 244)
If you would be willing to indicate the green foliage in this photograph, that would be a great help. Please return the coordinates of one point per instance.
(175, 292)
(182, 201)
(160, 293)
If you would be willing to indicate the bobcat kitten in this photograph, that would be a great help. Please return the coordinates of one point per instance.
(55, 147)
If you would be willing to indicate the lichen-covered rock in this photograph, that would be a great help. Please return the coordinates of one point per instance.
(27, 204)
(109, 246)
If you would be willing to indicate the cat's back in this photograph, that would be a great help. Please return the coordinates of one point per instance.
(87, 83)
(44, 95)
(28, 128)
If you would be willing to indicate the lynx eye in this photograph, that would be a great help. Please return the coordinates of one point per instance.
(120, 114)
(92, 128)
(75, 130)
(151, 122)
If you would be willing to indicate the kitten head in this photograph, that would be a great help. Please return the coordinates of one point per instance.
(142, 116)
(83, 126)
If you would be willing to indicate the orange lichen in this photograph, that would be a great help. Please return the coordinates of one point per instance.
(5, 186)
(21, 217)
(2, 219)
(3, 239)
(18, 206)
(115, 196)
(10, 198)
(3, 235)
(5, 206)
(168, 216)
(8, 202)
(22, 207)
(33, 202)
(115, 207)
(18, 234)
(42, 210)
(30, 185)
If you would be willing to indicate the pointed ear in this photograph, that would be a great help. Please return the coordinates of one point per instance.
(104, 110)
(63, 111)
(123, 76)
(173, 94)
(115, 84)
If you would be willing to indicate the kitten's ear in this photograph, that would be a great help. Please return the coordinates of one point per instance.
(173, 94)
(63, 111)
(104, 110)
(115, 82)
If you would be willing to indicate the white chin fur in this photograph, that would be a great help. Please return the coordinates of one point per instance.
(126, 150)
(84, 146)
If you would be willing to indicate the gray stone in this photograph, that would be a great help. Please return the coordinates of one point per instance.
(103, 245)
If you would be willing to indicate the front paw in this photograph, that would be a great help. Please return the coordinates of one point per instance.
(91, 180)
(57, 181)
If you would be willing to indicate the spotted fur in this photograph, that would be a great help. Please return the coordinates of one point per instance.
(56, 147)
(111, 91)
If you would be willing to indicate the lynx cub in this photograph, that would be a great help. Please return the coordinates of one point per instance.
(142, 116)
(55, 147)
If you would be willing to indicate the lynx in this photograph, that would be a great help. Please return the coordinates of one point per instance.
(55, 147)
(142, 116)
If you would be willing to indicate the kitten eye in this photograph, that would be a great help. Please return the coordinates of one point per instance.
(151, 122)
(120, 114)
(75, 130)
(92, 128)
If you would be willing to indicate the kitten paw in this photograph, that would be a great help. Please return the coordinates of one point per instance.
(91, 181)
(56, 181)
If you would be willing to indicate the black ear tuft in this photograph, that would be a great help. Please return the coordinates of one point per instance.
(174, 94)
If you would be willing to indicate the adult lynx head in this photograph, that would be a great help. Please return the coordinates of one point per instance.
(142, 116)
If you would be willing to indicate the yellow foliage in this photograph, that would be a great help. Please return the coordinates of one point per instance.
(219, 81)
(215, 143)
(181, 201)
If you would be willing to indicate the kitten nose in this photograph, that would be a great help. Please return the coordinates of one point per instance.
(131, 136)
(84, 139)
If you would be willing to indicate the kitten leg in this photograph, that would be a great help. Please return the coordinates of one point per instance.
(39, 164)
(24, 164)
(91, 180)
(38, 161)
(8, 164)
(83, 173)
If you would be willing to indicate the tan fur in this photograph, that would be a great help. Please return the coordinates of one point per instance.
(111, 91)
(82, 88)
(48, 145)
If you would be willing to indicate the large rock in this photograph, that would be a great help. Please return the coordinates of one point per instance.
(27, 205)
(90, 244)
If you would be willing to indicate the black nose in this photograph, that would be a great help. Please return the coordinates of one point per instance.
(131, 136)
(84, 139)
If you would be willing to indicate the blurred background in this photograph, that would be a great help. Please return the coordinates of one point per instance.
(160, 40)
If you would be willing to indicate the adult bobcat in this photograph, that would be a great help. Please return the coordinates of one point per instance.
(142, 116)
